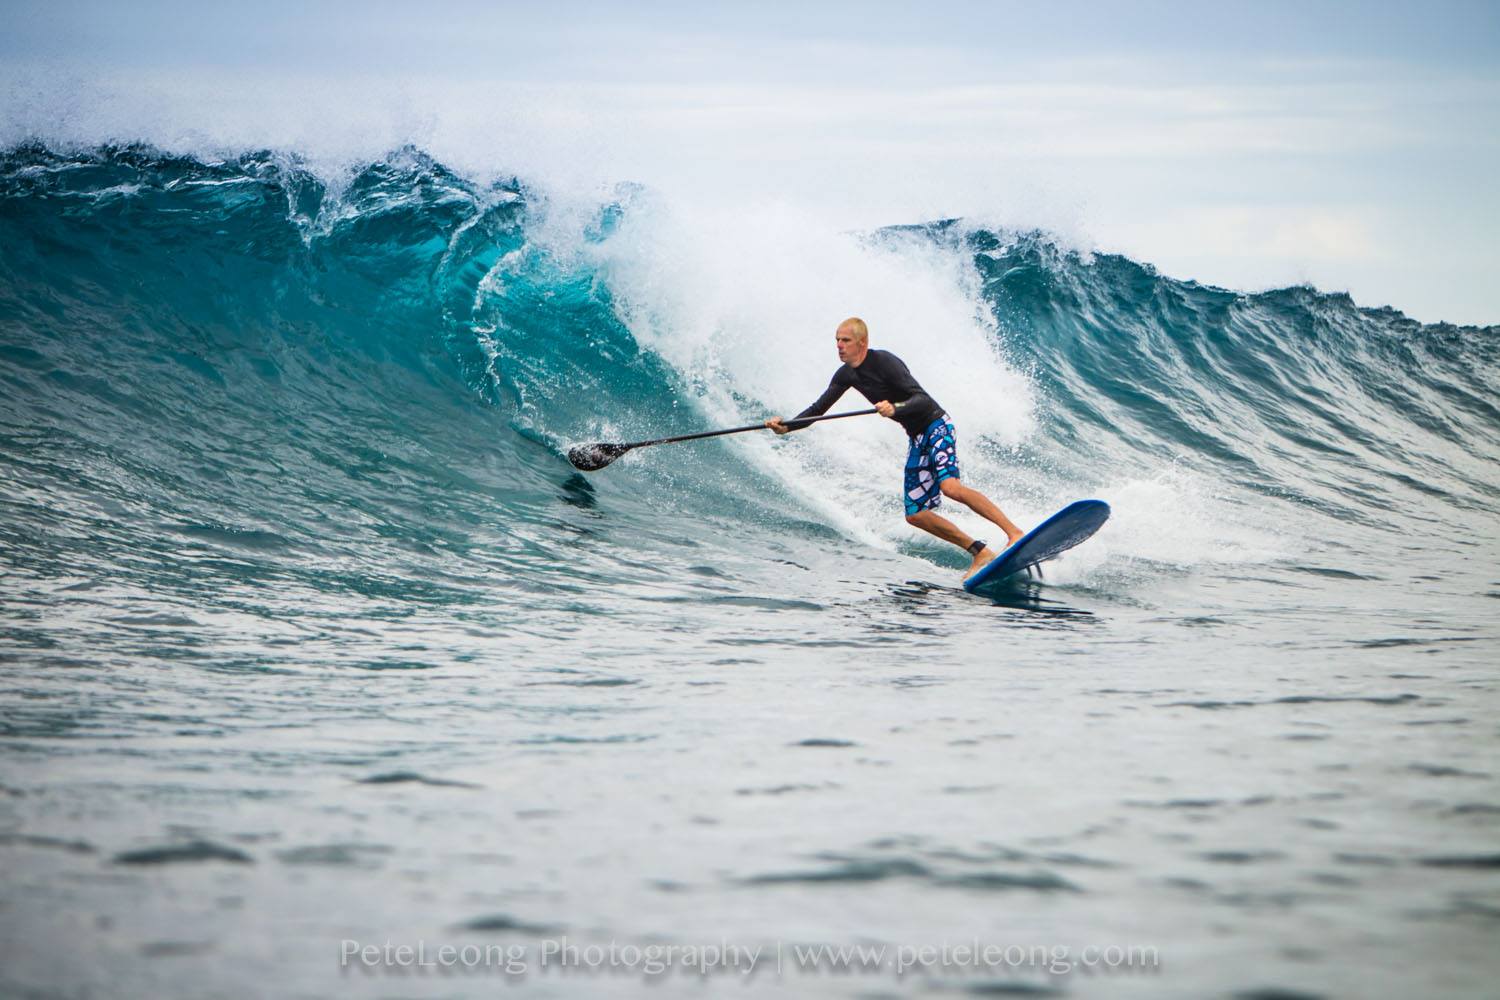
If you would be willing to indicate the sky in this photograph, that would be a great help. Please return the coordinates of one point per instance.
(1352, 146)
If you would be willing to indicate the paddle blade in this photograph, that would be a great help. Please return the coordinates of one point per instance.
(593, 457)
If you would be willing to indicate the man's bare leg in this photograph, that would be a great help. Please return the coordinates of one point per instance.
(982, 505)
(936, 524)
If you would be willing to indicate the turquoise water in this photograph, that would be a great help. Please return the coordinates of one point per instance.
(311, 635)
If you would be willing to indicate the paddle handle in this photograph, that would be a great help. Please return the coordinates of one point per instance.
(800, 421)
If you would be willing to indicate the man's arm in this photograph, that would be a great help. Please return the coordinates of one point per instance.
(907, 383)
(817, 409)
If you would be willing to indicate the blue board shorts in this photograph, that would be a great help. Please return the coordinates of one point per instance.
(931, 457)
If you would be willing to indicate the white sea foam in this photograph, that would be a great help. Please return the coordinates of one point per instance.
(744, 303)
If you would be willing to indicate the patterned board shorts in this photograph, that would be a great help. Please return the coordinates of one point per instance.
(931, 458)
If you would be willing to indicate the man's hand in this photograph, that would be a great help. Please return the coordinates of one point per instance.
(886, 409)
(776, 425)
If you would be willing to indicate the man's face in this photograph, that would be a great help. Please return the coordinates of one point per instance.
(849, 345)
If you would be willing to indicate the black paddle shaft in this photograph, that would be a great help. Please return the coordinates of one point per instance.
(592, 457)
(748, 427)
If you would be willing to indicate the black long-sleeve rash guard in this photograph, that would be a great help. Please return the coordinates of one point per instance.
(880, 376)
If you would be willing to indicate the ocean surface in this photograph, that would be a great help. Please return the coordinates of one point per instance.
(317, 657)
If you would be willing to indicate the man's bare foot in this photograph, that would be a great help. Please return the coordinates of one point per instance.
(1013, 539)
(986, 555)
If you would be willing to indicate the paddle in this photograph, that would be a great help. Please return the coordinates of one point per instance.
(593, 457)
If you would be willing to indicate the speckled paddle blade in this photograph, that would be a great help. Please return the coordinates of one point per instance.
(593, 457)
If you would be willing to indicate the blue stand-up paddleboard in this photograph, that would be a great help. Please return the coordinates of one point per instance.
(1054, 536)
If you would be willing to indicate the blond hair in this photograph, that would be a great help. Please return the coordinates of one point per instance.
(856, 326)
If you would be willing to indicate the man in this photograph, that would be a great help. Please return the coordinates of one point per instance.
(931, 458)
